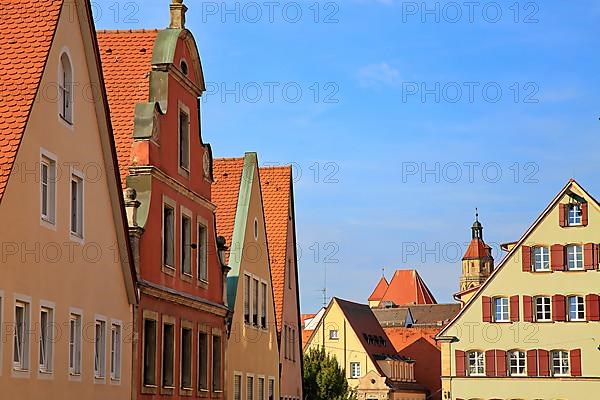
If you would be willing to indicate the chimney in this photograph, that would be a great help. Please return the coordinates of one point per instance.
(178, 10)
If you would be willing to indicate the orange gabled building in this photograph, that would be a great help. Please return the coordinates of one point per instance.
(406, 287)
(154, 80)
(278, 203)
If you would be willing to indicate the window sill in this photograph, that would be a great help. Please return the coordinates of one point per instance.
(75, 237)
(47, 223)
(183, 172)
(167, 269)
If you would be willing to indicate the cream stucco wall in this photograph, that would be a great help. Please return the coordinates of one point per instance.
(253, 351)
(43, 264)
(474, 334)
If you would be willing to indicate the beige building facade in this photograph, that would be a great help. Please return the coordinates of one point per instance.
(531, 330)
(66, 282)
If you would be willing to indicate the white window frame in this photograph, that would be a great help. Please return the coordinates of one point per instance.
(574, 215)
(100, 348)
(250, 388)
(560, 362)
(575, 257)
(502, 309)
(334, 334)
(542, 308)
(184, 169)
(541, 259)
(236, 376)
(355, 370)
(116, 349)
(46, 344)
(248, 298)
(186, 214)
(261, 379)
(263, 298)
(202, 250)
(475, 363)
(49, 160)
(78, 234)
(186, 326)
(517, 363)
(75, 342)
(171, 204)
(24, 348)
(271, 388)
(65, 114)
(168, 321)
(580, 308)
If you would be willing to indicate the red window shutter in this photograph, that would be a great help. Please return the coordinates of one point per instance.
(514, 308)
(584, 214)
(526, 258)
(544, 362)
(490, 363)
(460, 358)
(532, 369)
(528, 308)
(557, 257)
(588, 256)
(486, 305)
(596, 259)
(559, 308)
(575, 356)
(562, 215)
(592, 307)
(500, 363)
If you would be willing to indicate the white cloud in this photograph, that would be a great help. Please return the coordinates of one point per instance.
(377, 75)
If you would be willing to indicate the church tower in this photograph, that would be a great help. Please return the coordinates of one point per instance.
(477, 263)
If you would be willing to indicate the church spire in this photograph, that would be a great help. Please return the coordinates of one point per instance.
(477, 228)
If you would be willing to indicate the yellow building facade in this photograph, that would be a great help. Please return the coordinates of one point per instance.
(531, 331)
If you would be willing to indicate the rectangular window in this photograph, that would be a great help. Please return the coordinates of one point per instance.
(75, 344)
(260, 390)
(217, 352)
(574, 214)
(186, 358)
(355, 370)
(186, 245)
(184, 140)
(475, 361)
(334, 334)
(149, 352)
(48, 189)
(247, 290)
(237, 387)
(560, 363)
(575, 257)
(203, 361)
(576, 308)
(46, 326)
(115, 352)
(255, 302)
(501, 312)
(168, 355)
(100, 349)
(21, 337)
(543, 311)
(271, 389)
(517, 362)
(202, 251)
(168, 236)
(76, 206)
(249, 388)
(263, 305)
(541, 257)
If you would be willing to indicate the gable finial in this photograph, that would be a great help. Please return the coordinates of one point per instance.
(476, 214)
(178, 10)
(383, 272)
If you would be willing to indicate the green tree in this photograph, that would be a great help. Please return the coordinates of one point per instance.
(324, 379)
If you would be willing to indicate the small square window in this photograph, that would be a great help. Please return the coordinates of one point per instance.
(355, 370)
(575, 257)
(333, 334)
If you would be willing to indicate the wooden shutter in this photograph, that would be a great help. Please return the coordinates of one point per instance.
(514, 308)
(528, 308)
(559, 308)
(500, 363)
(588, 256)
(460, 358)
(584, 214)
(562, 215)
(526, 258)
(592, 307)
(575, 356)
(490, 363)
(532, 361)
(557, 257)
(544, 362)
(486, 305)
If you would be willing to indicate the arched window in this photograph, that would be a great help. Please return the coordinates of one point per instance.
(65, 88)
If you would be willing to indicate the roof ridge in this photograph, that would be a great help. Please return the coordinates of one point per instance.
(228, 158)
(123, 31)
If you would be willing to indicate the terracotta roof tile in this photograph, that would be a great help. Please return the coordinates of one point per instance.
(26, 32)
(380, 289)
(477, 249)
(126, 63)
(276, 192)
(227, 174)
(407, 287)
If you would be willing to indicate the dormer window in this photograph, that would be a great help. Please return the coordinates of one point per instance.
(574, 214)
(65, 89)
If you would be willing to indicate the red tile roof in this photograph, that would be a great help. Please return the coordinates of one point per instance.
(477, 249)
(225, 192)
(380, 289)
(407, 287)
(26, 33)
(126, 63)
(276, 187)
(404, 337)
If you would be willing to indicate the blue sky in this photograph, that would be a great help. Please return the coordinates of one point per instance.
(399, 120)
